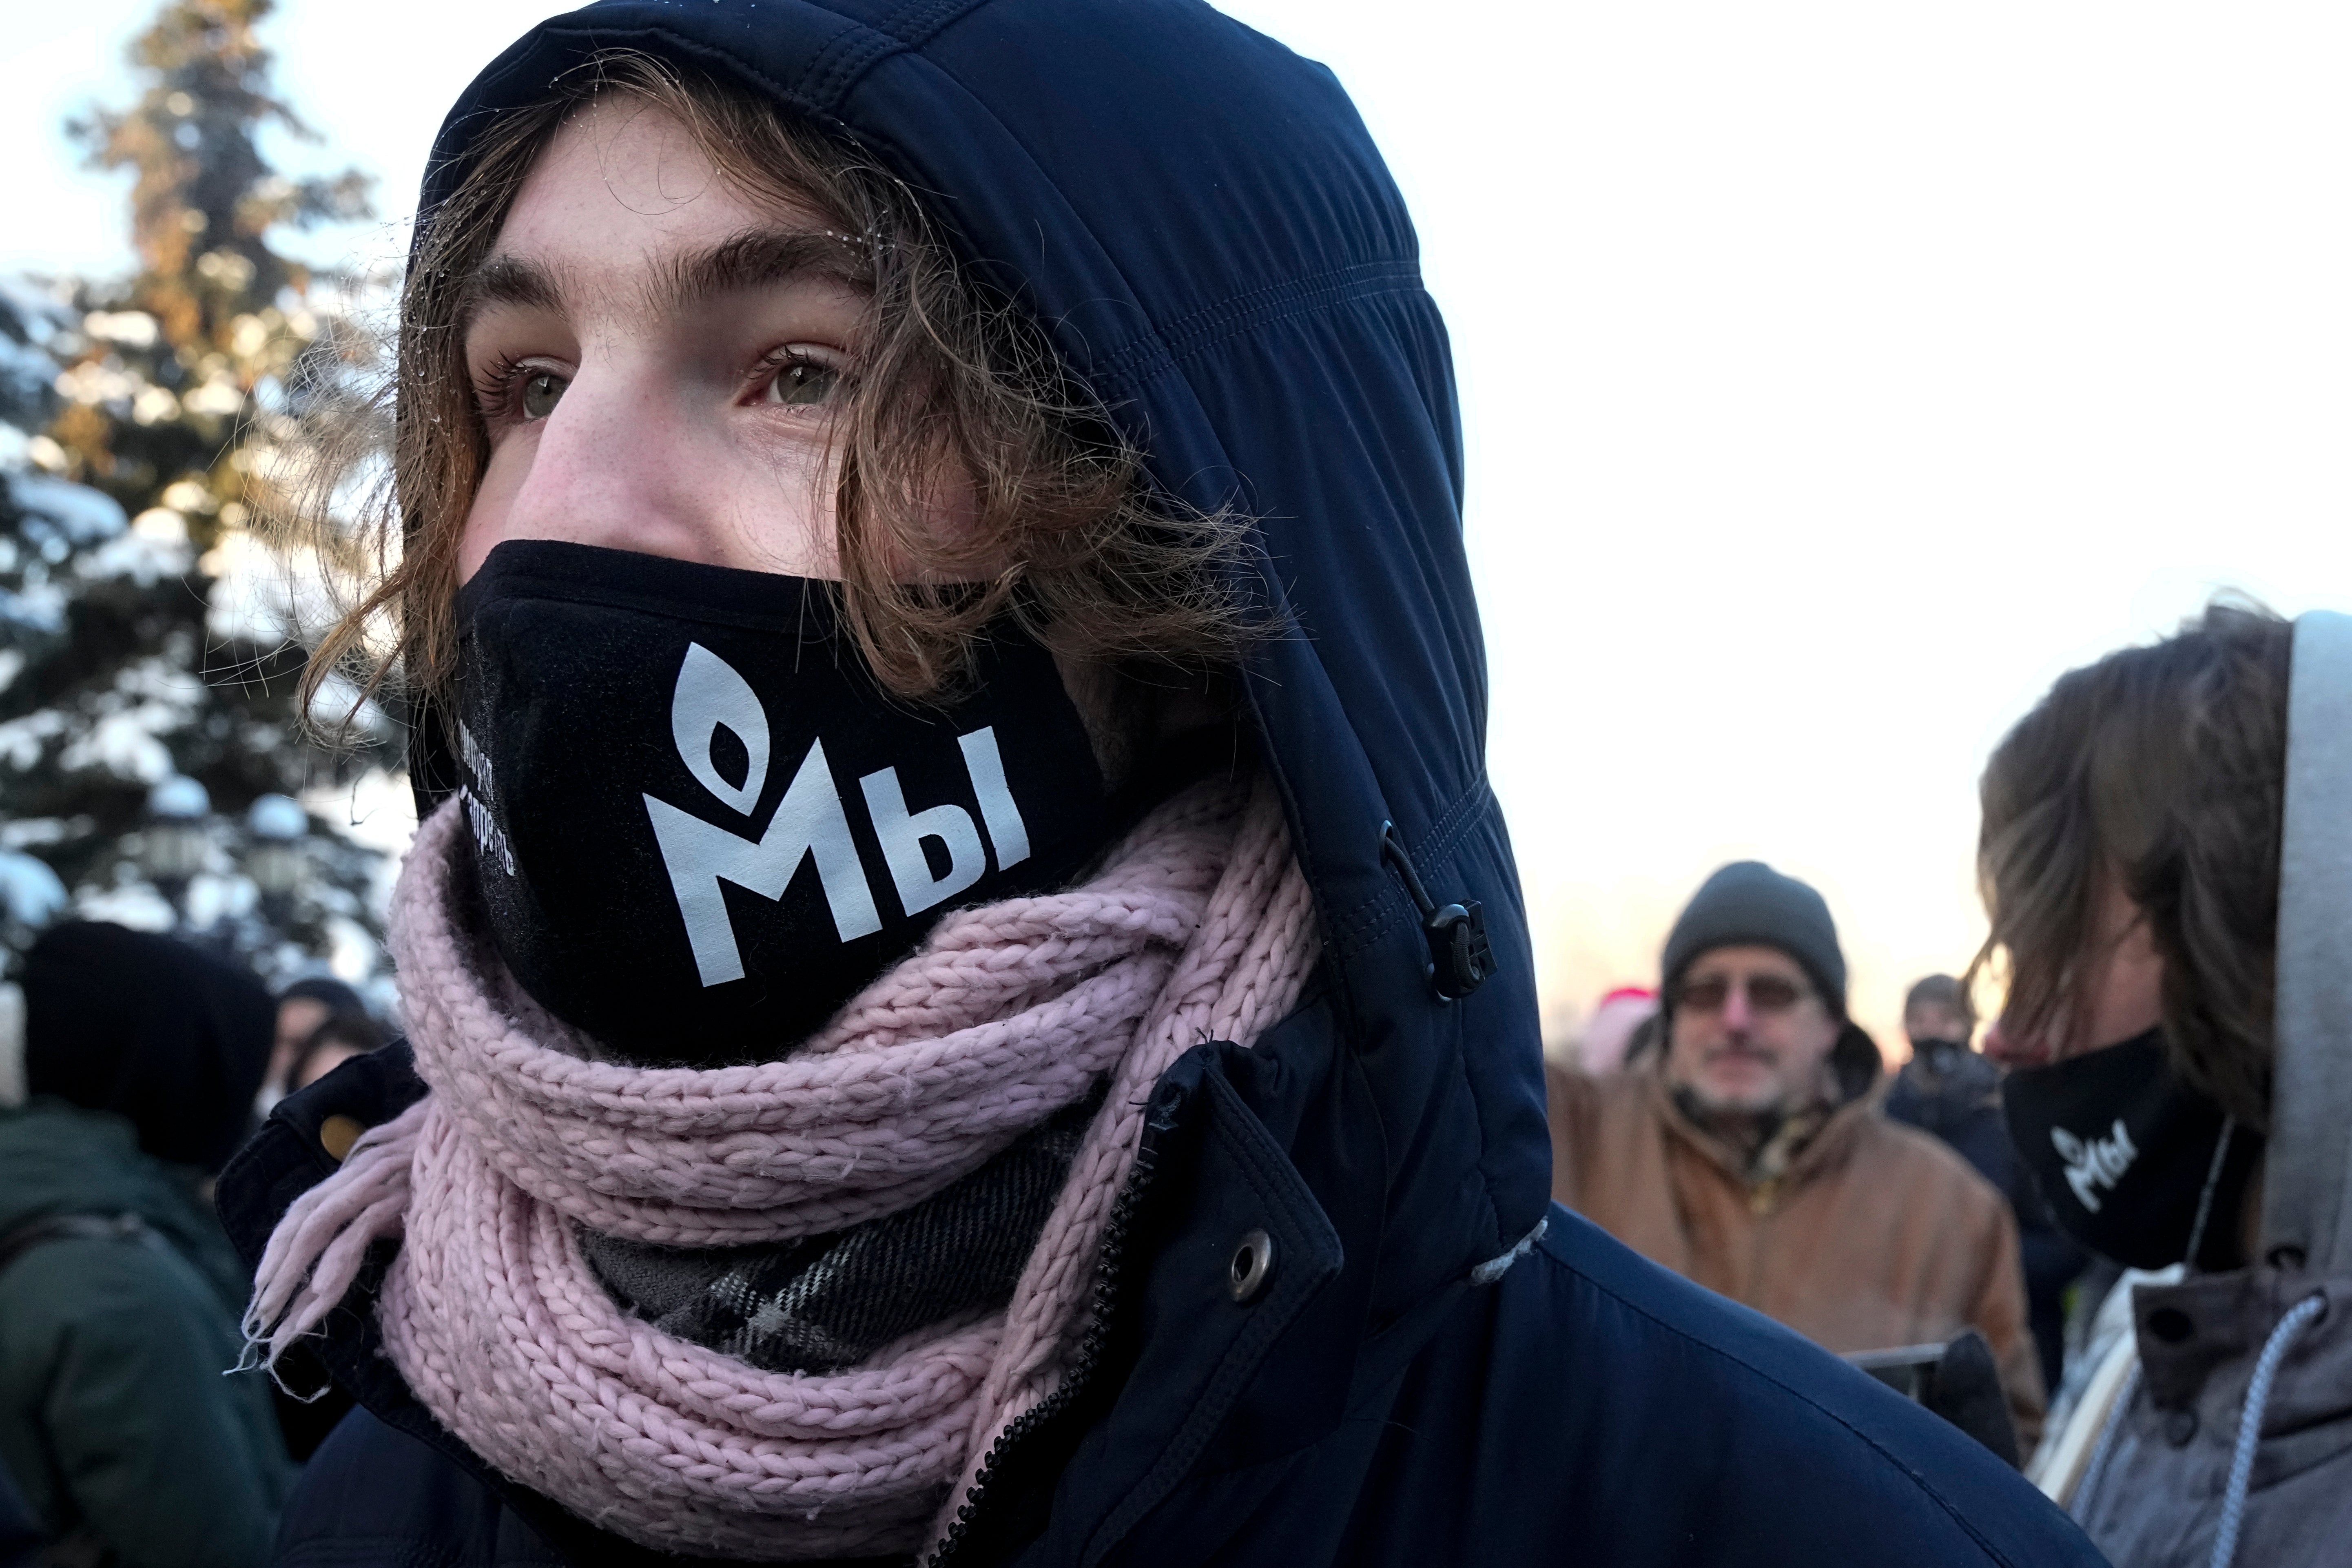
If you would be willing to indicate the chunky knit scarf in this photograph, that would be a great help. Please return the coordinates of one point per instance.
(1198, 928)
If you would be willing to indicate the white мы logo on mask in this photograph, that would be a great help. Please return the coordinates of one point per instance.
(2094, 1162)
(711, 694)
(811, 823)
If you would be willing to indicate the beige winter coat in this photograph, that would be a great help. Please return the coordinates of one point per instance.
(1874, 1237)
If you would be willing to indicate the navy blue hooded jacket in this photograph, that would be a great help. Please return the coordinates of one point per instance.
(1200, 223)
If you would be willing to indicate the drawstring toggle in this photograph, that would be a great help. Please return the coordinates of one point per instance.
(1460, 959)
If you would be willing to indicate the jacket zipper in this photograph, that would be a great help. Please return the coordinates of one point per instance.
(1082, 1365)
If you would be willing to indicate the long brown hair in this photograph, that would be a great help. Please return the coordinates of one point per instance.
(950, 385)
(2163, 768)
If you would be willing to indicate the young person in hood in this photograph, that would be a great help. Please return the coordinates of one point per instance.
(967, 994)
(2166, 864)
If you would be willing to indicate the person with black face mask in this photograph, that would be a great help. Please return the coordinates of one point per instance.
(1951, 1089)
(2168, 871)
(966, 994)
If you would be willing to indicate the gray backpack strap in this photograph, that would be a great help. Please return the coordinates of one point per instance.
(2308, 1173)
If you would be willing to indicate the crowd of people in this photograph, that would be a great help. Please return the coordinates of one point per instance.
(963, 997)
(2112, 1193)
(2091, 1242)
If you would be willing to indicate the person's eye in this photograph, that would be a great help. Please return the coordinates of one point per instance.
(540, 390)
(511, 393)
(1706, 994)
(801, 380)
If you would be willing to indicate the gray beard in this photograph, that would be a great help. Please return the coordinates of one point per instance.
(1765, 1141)
(1743, 1128)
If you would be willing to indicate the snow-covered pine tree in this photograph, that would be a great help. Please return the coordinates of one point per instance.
(151, 756)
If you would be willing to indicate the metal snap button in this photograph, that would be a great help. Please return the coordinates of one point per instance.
(1252, 1263)
(338, 1133)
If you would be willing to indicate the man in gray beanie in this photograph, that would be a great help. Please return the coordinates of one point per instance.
(1749, 1155)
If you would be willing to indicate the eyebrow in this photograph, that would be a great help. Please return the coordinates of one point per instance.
(756, 256)
(508, 280)
(749, 260)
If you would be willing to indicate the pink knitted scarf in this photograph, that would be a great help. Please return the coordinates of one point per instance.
(1198, 928)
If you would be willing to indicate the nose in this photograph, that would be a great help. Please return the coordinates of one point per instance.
(1736, 1016)
(2011, 1049)
(610, 467)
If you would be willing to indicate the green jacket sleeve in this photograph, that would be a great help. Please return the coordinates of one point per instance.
(170, 1462)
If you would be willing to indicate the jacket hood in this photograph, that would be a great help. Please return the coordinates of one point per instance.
(1856, 1061)
(1199, 221)
(2307, 1165)
(171, 1038)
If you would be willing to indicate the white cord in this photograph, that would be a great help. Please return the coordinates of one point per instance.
(2250, 1425)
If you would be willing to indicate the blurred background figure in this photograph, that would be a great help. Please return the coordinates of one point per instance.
(331, 1045)
(1748, 1152)
(1938, 1021)
(303, 1008)
(120, 1294)
(1616, 1020)
(1951, 1089)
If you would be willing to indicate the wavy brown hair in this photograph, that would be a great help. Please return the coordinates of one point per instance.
(949, 385)
(2163, 769)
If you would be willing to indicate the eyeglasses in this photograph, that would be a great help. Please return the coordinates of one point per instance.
(1767, 993)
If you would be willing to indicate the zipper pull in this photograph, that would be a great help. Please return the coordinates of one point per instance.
(1460, 960)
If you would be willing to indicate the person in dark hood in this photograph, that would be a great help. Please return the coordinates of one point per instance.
(1751, 1155)
(303, 1007)
(150, 1029)
(331, 1045)
(2166, 870)
(1953, 1090)
(967, 995)
(119, 1294)
(1948, 1087)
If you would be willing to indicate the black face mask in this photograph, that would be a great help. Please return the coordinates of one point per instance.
(700, 827)
(2134, 1162)
(1940, 1057)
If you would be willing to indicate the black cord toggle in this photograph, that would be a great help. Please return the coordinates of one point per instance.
(1460, 959)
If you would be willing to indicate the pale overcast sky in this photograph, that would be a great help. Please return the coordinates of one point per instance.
(1836, 376)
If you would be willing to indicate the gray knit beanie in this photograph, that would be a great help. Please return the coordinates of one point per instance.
(1749, 903)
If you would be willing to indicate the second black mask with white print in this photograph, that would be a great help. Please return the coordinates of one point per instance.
(2134, 1162)
(700, 823)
